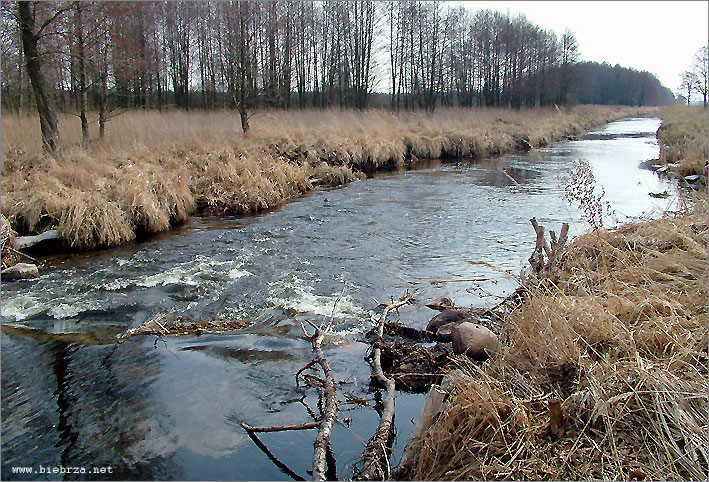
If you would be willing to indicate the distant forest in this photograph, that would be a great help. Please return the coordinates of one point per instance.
(404, 55)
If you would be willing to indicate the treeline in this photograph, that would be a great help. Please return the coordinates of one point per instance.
(107, 55)
(604, 84)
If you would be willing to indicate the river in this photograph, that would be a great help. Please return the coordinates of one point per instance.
(171, 408)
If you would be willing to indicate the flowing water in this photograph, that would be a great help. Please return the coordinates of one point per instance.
(170, 408)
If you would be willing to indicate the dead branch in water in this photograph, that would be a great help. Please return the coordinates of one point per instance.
(279, 428)
(376, 454)
(329, 412)
(440, 281)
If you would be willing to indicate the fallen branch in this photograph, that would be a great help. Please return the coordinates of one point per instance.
(329, 412)
(440, 281)
(280, 428)
(376, 454)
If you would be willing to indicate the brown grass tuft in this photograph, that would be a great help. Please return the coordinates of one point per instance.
(684, 137)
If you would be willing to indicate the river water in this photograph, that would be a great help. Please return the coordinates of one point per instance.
(171, 408)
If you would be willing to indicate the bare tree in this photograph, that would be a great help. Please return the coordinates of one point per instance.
(689, 84)
(31, 35)
(700, 70)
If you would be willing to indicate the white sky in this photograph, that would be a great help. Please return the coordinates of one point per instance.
(658, 36)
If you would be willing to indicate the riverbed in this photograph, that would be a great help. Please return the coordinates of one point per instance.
(171, 408)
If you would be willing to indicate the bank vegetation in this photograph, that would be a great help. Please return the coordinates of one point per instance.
(602, 370)
(154, 169)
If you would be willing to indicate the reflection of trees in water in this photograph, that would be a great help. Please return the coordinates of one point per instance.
(99, 412)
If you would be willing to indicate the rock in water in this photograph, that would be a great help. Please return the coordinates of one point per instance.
(441, 303)
(20, 271)
(445, 317)
(474, 340)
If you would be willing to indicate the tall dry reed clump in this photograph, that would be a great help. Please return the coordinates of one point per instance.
(154, 169)
(8, 257)
(684, 137)
(619, 340)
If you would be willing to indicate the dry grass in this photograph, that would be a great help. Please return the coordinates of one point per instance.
(7, 256)
(154, 169)
(685, 132)
(620, 339)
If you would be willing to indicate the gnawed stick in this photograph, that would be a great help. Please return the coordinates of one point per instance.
(539, 266)
(279, 428)
(376, 454)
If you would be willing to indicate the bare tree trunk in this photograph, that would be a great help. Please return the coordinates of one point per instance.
(243, 66)
(47, 117)
(81, 59)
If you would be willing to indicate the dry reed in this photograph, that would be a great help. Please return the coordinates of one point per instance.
(154, 169)
(7, 256)
(684, 137)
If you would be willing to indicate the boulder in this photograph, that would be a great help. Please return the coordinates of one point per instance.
(446, 317)
(20, 271)
(441, 303)
(473, 340)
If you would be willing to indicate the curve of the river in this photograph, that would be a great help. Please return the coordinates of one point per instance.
(170, 409)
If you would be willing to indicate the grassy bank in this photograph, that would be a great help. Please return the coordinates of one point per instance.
(684, 137)
(617, 340)
(154, 169)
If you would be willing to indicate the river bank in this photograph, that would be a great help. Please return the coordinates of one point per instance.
(154, 170)
(602, 368)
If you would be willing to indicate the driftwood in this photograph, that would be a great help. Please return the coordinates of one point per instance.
(162, 325)
(376, 454)
(329, 413)
(279, 428)
(545, 256)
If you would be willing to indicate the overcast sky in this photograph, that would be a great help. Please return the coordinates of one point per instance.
(658, 36)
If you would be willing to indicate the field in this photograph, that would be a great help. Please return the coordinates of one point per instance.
(154, 169)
